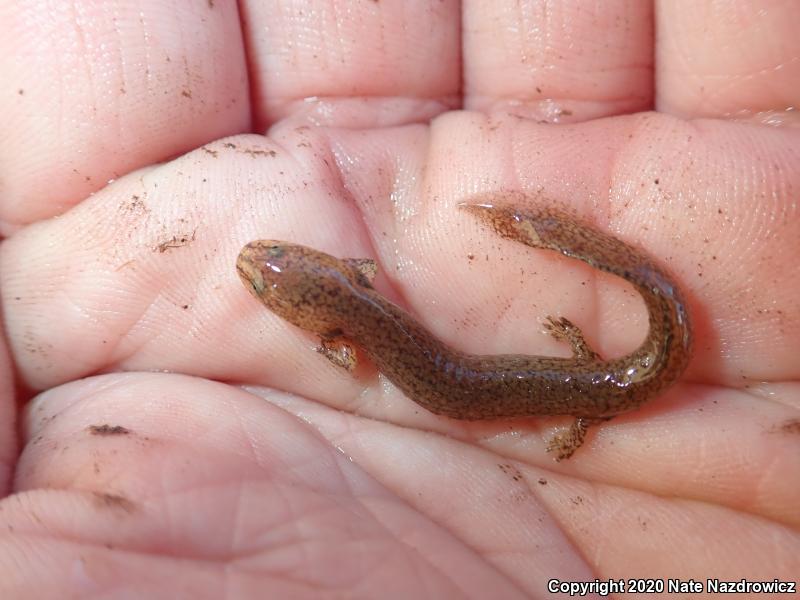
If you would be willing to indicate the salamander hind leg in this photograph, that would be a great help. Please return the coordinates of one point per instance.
(364, 269)
(339, 352)
(565, 444)
(565, 331)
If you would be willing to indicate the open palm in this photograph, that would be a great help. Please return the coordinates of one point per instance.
(188, 443)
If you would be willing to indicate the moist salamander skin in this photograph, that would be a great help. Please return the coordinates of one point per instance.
(334, 298)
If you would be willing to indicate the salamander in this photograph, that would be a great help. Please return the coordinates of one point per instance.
(334, 298)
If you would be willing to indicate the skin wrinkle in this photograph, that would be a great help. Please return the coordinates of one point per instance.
(423, 558)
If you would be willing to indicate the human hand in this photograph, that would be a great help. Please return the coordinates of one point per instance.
(191, 443)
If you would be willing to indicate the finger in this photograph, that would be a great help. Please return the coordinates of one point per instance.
(729, 59)
(207, 488)
(93, 90)
(558, 61)
(361, 64)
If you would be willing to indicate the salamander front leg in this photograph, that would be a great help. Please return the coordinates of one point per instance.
(564, 330)
(339, 352)
(565, 444)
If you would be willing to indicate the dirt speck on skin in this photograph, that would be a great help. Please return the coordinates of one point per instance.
(176, 241)
(113, 501)
(134, 204)
(107, 429)
(125, 265)
(511, 471)
(542, 481)
(254, 153)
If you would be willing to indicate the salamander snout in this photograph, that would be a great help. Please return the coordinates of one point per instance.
(295, 282)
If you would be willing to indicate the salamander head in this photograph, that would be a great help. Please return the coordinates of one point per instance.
(306, 287)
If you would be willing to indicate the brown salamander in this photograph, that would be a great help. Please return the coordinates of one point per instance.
(334, 298)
